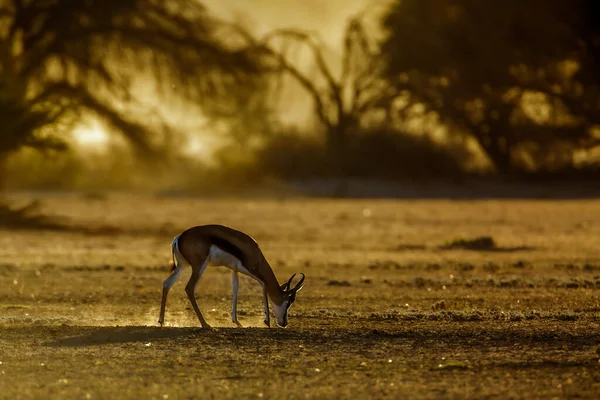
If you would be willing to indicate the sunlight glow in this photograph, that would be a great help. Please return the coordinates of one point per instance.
(195, 146)
(91, 135)
(202, 147)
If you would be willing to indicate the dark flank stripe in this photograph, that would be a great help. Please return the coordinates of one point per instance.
(235, 251)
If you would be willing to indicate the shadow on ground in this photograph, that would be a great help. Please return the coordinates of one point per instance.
(419, 333)
(494, 249)
(94, 336)
(506, 249)
(126, 334)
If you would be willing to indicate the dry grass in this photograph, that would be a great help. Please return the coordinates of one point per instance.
(385, 313)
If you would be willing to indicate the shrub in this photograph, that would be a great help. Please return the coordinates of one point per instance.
(368, 154)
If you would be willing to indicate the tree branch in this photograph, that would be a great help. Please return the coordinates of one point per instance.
(306, 39)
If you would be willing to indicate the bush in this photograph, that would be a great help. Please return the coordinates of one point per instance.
(291, 155)
(368, 154)
(392, 155)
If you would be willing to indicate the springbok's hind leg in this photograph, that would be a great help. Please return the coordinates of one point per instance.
(170, 281)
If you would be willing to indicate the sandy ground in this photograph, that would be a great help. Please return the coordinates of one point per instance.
(385, 312)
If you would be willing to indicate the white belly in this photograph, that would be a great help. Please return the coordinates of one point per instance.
(218, 257)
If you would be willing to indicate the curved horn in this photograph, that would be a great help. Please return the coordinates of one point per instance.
(286, 286)
(300, 284)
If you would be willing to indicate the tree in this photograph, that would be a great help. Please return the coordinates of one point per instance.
(588, 30)
(63, 59)
(520, 77)
(60, 59)
(342, 101)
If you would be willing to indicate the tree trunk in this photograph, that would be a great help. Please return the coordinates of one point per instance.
(3, 171)
(498, 139)
(501, 157)
(336, 151)
(338, 146)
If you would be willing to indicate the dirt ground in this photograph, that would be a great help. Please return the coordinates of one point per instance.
(386, 311)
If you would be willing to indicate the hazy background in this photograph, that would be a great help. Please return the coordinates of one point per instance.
(327, 19)
(292, 96)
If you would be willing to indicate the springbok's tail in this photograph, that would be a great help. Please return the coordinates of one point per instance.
(175, 248)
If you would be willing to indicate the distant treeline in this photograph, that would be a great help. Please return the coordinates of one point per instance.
(454, 87)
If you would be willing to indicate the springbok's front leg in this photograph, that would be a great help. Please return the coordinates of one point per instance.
(235, 283)
(190, 289)
(266, 301)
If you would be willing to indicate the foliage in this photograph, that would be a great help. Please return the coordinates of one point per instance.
(520, 77)
(62, 58)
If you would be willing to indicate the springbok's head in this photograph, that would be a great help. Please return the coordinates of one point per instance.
(289, 296)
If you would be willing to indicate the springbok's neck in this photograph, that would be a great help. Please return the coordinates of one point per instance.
(276, 295)
(272, 285)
